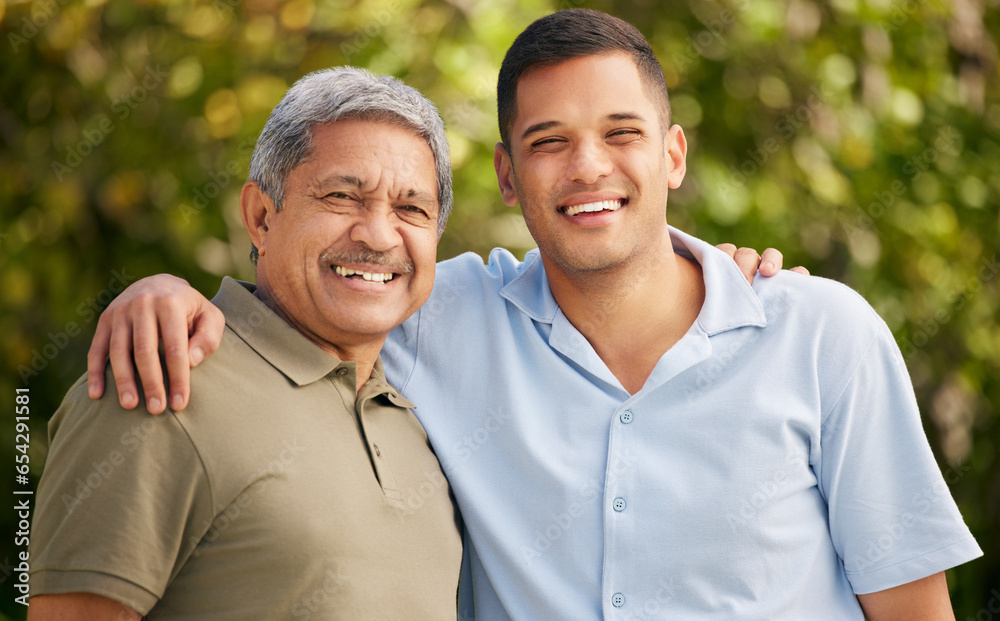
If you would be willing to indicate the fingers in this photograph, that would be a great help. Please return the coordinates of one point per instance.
(207, 324)
(747, 260)
(174, 331)
(145, 342)
(729, 249)
(120, 354)
(207, 329)
(771, 262)
(97, 358)
(130, 329)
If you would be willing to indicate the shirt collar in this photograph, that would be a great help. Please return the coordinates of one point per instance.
(284, 347)
(730, 301)
(378, 385)
(529, 291)
(287, 349)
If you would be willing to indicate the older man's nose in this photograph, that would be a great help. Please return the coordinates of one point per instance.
(376, 229)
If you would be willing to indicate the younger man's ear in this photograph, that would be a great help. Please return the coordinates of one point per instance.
(505, 174)
(676, 145)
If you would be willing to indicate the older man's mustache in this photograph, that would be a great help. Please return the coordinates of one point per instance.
(367, 256)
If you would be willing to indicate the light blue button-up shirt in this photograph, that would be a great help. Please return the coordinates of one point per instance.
(772, 466)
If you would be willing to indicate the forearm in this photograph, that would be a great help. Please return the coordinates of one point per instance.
(921, 600)
(78, 607)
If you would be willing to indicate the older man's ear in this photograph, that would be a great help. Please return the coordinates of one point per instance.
(256, 209)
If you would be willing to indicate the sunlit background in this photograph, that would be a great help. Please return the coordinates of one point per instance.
(862, 138)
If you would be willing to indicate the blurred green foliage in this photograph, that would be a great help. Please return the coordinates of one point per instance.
(861, 137)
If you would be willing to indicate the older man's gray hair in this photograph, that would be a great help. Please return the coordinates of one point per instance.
(330, 95)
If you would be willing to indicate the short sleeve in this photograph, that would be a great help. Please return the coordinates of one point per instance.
(892, 517)
(123, 501)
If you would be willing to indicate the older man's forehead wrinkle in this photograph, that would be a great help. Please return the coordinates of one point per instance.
(322, 182)
(405, 184)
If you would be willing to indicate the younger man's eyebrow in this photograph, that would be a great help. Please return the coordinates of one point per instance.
(626, 116)
(616, 116)
(539, 127)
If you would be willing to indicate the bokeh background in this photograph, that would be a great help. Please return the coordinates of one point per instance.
(861, 137)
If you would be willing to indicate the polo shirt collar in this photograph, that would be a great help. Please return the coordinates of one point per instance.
(284, 347)
(287, 349)
(730, 301)
(529, 291)
(378, 385)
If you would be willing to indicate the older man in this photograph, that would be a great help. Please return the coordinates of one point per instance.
(298, 484)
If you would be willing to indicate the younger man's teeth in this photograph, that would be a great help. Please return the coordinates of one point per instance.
(612, 205)
(347, 272)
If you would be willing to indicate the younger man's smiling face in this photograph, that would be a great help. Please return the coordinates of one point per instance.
(590, 163)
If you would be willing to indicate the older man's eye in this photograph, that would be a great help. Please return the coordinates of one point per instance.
(413, 209)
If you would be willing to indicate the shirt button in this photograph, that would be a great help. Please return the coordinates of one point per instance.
(619, 504)
(626, 417)
(342, 371)
(617, 600)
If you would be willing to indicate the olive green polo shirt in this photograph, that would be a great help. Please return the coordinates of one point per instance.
(280, 492)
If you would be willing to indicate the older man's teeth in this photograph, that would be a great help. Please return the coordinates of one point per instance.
(572, 210)
(347, 272)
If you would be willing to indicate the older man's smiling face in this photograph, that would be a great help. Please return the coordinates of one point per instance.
(351, 254)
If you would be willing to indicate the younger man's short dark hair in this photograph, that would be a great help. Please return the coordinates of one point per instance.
(571, 34)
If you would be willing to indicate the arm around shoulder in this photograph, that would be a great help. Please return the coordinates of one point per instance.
(161, 307)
